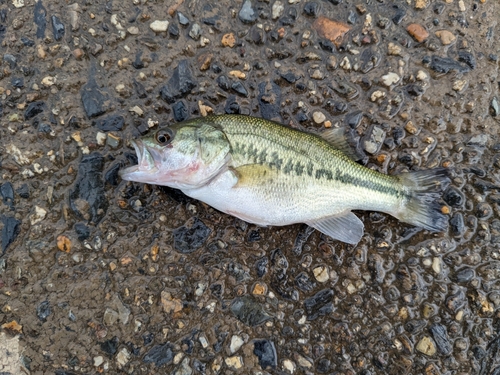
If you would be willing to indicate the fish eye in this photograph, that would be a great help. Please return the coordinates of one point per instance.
(164, 136)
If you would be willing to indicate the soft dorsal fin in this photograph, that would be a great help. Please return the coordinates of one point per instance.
(345, 227)
(339, 139)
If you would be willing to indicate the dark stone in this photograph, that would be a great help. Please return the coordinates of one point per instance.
(239, 89)
(232, 106)
(11, 60)
(179, 85)
(111, 176)
(270, 101)
(336, 107)
(216, 68)
(148, 338)
(453, 197)
(43, 311)
(327, 45)
(159, 355)
(224, 82)
(467, 58)
(181, 111)
(199, 366)
(457, 224)
(82, 231)
(483, 210)
(7, 192)
(254, 236)
(39, 18)
(478, 352)
(261, 266)
(399, 14)
(301, 239)
(89, 187)
(23, 191)
(323, 366)
(138, 63)
(44, 128)
(445, 65)
(247, 13)
(320, 304)
(266, 353)
(3, 15)
(17, 82)
(189, 238)
(464, 275)
(290, 77)
(26, 41)
(304, 282)
(353, 119)
(34, 109)
(10, 230)
(57, 28)
(249, 311)
(257, 35)
(352, 17)
(440, 336)
(173, 30)
(312, 8)
(110, 347)
(183, 20)
(370, 59)
(110, 123)
(392, 293)
(301, 116)
(139, 89)
(414, 90)
(93, 98)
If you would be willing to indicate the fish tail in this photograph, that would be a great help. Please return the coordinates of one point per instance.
(422, 205)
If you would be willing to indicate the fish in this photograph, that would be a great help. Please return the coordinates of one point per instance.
(270, 174)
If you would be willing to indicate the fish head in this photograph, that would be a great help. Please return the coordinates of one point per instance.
(182, 156)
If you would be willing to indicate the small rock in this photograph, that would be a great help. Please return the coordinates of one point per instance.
(63, 243)
(57, 28)
(183, 20)
(133, 30)
(228, 40)
(460, 85)
(289, 366)
(418, 32)
(266, 353)
(123, 357)
(236, 343)
(34, 109)
(249, 311)
(195, 31)
(446, 36)
(390, 79)
(170, 304)
(7, 193)
(191, 236)
(426, 346)
(277, 9)
(332, 30)
(158, 26)
(10, 230)
(48, 81)
(235, 362)
(376, 95)
(110, 317)
(445, 65)
(320, 304)
(394, 49)
(321, 274)
(74, 11)
(247, 14)
(180, 84)
(43, 310)
(159, 355)
(137, 110)
(421, 4)
(110, 123)
(38, 216)
(93, 97)
(319, 117)
(99, 360)
(110, 347)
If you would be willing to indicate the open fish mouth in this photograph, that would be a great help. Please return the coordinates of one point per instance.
(146, 163)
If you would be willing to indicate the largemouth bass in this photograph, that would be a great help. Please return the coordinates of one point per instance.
(269, 174)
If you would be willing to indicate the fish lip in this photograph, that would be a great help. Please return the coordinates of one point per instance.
(145, 162)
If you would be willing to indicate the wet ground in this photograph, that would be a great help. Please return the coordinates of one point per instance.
(99, 275)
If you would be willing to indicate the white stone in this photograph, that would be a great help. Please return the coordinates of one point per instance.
(421, 75)
(321, 274)
(289, 366)
(437, 265)
(137, 110)
(390, 79)
(38, 216)
(98, 361)
(319, 117)
(101, 138)
(377, 95)
(133, 30)
(235, 362)
(277, 9)
(236, 343)
(159, 26)
(123, 357)
(18, 3)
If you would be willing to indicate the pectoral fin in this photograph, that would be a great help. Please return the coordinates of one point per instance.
(346, 227)
(253, 174)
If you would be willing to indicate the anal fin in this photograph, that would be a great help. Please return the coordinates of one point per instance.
(345, 227)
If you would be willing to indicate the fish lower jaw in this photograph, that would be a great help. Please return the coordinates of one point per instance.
(136, 173)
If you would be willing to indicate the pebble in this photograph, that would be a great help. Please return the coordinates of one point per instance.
(43, 311)
(10, 230)
(376, 95)
(133, 30)
(289, 366)
(191, 236)
(426, 346)
(249, 311)
(437, 265)
(93, 98)
(332, 30)
(123, 357)
(180, 83)
(110, 317)
(319, 305)
(235, 362)
(236, 343)
(266, 353)
(99, 360)
(394, 49)
(48, 81)
(247, 14)
(184, 368)
(110, 123)
(38, 216)
(421, 4)
(460, 85)
(418, 32)
(446, 36)
(170, 304)
(57, 28)
(319, 117)
(160, 355)
(228, 40)
(63, 243)
(303, 361)
(195, 31)
(159, 26)
(390, 79)
(277, 9)
(321, 274)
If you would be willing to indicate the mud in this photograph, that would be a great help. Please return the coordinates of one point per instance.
(99, 275)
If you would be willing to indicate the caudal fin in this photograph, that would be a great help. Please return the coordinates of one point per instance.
(422, 207)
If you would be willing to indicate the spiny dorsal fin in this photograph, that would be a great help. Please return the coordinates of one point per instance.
(339, 138)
